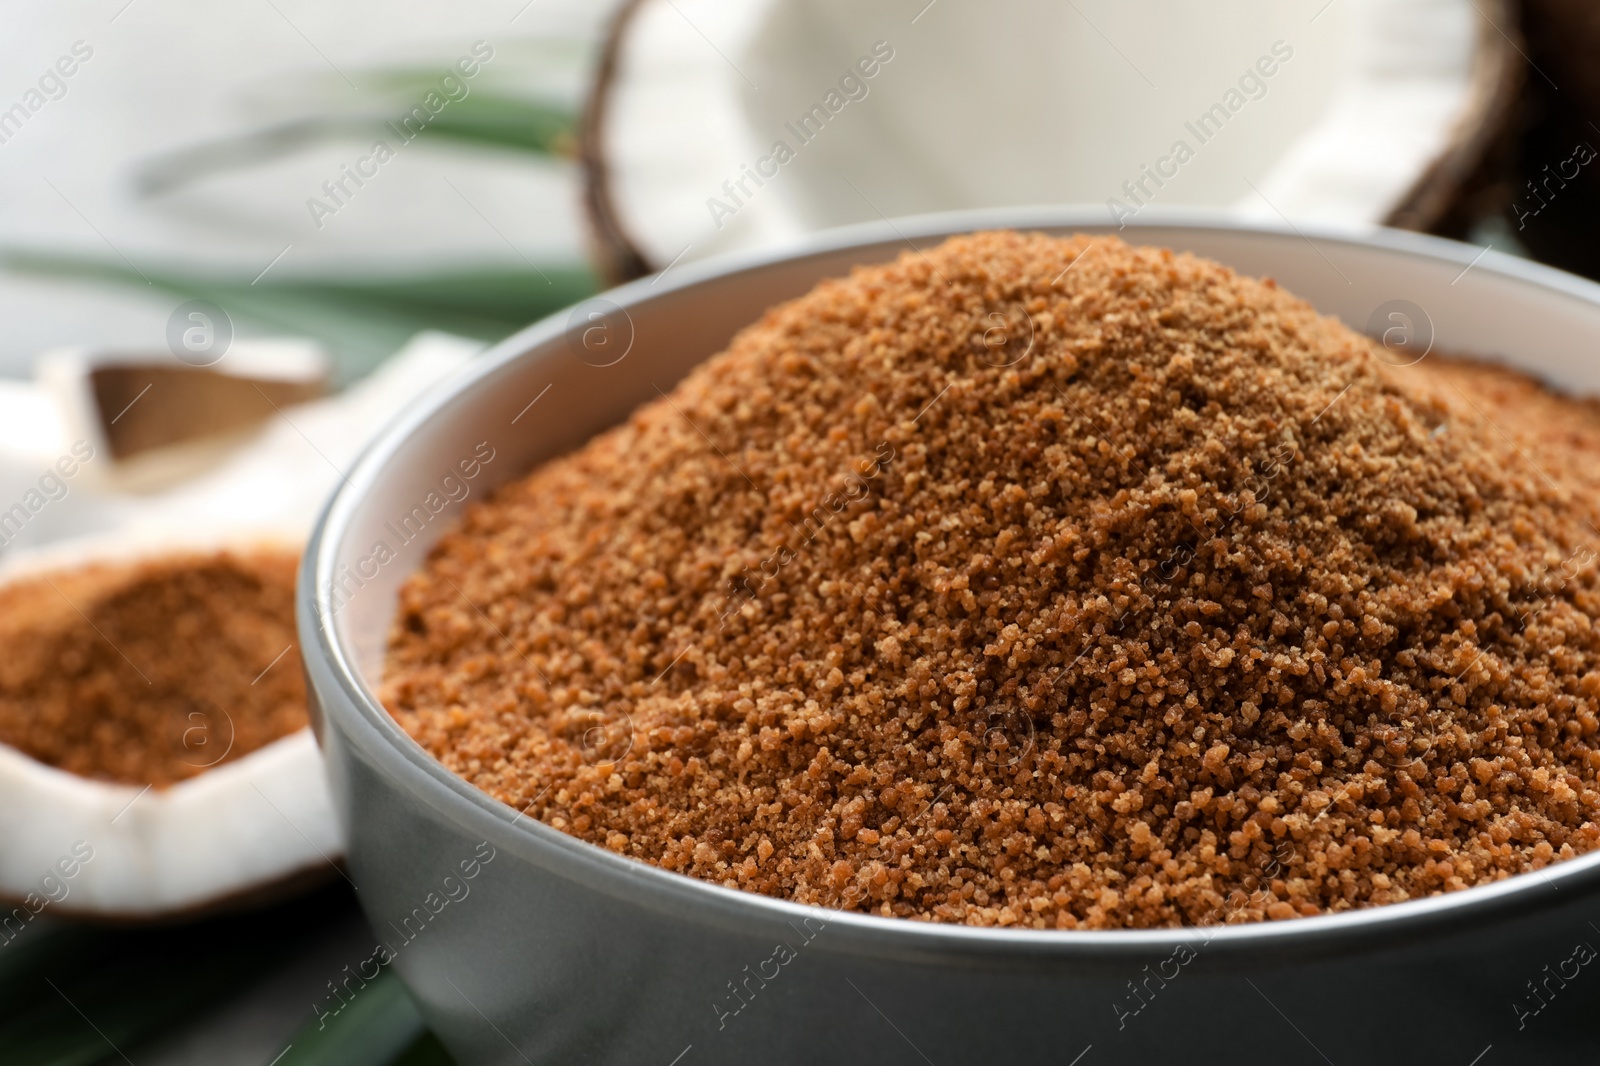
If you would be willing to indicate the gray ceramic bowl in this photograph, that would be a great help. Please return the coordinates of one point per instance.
(554, 951)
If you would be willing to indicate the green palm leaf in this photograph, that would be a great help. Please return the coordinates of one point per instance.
(361, 320)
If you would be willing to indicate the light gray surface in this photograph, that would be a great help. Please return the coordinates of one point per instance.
(564, 952)
(45, 313)
(168, 75)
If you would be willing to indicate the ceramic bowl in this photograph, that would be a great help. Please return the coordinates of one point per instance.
(524, 945)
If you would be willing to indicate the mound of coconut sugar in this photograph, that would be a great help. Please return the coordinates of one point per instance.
(1041, 582)
(149, 672)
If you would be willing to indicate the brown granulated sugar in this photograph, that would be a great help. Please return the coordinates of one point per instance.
(977, 588)
(150, 672)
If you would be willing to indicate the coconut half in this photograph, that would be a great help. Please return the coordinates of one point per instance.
(246, 830)
(715, 126)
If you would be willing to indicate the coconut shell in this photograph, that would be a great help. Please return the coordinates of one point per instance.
(1469, 176)
(1561, 110)
(213, 842)
(616, 256)
(1564, 40)
(1466, 179)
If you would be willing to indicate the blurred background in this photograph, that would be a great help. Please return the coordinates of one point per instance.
(342, 179)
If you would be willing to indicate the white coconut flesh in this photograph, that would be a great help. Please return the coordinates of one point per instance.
(1315, 110)
(238, 830)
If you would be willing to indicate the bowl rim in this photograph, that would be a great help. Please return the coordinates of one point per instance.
(364, 722)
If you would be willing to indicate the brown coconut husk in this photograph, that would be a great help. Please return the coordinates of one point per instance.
(1470, 178)
(616, 256)
(1560, 110)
